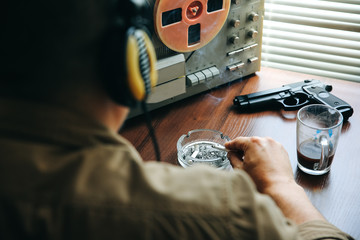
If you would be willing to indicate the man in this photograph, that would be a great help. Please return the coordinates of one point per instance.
(66, 174)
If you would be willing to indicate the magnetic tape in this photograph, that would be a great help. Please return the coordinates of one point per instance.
(202, 44)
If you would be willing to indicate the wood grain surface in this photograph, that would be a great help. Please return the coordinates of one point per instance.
(336, 194)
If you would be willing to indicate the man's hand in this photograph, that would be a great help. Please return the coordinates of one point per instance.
(264, 159)
(268, 164)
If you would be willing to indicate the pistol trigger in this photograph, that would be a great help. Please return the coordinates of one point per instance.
(289, 103)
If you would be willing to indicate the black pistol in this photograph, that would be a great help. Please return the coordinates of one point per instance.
(292, 97)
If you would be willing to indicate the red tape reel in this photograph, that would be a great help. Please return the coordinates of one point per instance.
(187, 25)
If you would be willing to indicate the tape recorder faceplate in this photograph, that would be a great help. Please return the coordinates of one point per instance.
(202, 44)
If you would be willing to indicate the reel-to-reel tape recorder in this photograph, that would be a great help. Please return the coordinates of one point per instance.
(202, 44)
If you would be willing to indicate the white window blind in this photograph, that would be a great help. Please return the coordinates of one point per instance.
(313, 36)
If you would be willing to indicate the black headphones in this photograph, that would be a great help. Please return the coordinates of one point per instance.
(128, 58)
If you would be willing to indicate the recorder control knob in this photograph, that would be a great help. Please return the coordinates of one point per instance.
(235, 23)
(253, 33)
(234, 39)
(253, 17)
(236, 1)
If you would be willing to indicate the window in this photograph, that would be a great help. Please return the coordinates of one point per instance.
(313, 36)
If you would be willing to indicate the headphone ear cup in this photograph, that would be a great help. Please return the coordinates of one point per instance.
(129, 66)
(141, 65)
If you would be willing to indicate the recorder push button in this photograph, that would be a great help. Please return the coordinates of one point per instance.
(200, 76)
(214, 71)
(192, 80)
(207, 73)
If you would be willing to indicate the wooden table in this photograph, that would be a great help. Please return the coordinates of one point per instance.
(336, 195)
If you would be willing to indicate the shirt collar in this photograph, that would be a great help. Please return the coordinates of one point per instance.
(54, 124)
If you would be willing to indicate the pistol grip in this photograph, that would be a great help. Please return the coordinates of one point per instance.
(322, 96)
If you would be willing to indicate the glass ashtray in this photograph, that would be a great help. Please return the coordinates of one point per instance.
(203, 146)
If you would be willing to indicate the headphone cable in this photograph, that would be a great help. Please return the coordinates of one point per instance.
(144, 67)
(151, 130)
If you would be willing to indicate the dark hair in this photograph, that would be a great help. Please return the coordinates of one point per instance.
(45, 42)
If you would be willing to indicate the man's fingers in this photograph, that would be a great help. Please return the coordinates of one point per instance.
(239, 143)
(236, 160)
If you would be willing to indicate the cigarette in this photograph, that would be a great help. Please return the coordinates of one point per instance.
(196, 151)
(220, 147)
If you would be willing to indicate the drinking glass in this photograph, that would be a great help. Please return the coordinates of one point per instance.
(317, 135)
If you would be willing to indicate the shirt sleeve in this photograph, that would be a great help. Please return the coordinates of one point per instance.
(311, 230)
(270, 223)
(265, 219)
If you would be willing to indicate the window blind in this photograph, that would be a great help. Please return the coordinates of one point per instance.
(313, 36)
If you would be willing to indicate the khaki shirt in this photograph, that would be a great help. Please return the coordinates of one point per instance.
(65, 176)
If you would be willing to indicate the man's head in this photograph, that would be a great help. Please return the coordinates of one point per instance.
(47, 44)
(49, 47)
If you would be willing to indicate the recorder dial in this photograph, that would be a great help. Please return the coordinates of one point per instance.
(235, 23)
(253, 17)
(253, 33)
